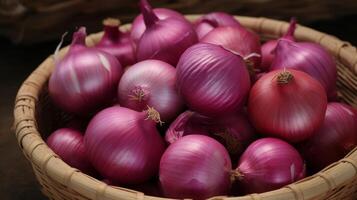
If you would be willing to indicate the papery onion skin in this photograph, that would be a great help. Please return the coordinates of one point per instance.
(164, 39)
(195, 166)
(124, 147)
(117, 43)
(212, 80)
(310, 58)
(138, 26)
(210, 21)
(268, 48)
(334, 139)
(85, 79)
(68, 144)
(293, 110)
(269, 164)
(151, 83)
(236, 39)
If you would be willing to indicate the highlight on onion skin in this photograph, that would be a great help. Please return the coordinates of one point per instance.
(335, 138)
(121, 144)
(151, 83)
(117, 43)
(287, 104)
(212, 80)
(85, 80)
(195, 166)
(268, 164)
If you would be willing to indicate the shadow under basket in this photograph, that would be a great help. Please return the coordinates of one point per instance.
(36, 117)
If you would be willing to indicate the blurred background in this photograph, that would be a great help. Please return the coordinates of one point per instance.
(31, 29)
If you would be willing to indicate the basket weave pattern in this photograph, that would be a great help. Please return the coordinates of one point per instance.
(36, 117)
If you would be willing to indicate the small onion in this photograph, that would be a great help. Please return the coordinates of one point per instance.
(151, 83)
(335, 138)
(164, 39)
(233, 131)
(212, 80)
(288, 104)
(117, 43)
(238, 40)
(310, 58)
(269, 164)
(195, 166)
(68, 144)
(125, 146)
(210, 21)
(268, 47)
(85, 79)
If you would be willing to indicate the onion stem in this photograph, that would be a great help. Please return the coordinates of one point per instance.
(284, 77)
(153, 115)
(236, 175)
(148, 14)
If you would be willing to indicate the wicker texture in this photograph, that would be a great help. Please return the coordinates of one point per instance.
(35, 117)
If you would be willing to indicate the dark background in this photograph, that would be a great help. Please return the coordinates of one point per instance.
(19, 57)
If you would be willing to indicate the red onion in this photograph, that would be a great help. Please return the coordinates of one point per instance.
(195, 166)
(238, 40)
(210, 21)
(269, 46)
(212, 80)
(138, 26)
(288, 104)
(85, 79)
(151, 83)
(335, 138)
(258, 76)
(233, 131)
(269, 164)
(117, 43)
(164, 39)
(310, 58)
(125, 146)
(68, 144)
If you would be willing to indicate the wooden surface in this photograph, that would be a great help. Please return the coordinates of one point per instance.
(16, 62)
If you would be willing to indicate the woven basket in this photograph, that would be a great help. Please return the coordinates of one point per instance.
(36, 117)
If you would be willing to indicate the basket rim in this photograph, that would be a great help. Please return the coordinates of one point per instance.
(44, 159)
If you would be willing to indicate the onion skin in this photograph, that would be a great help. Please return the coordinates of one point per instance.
(292, 111)
(151, 83)
(195, 166)
(164, 39)
(210, 21)
(268, 48)
(236, 39)
(310, 58)
(335, 138)
(117, 43)
(121, 145)
(68, 144)
(138, 27)
(85, 79)
(212, 80)
(269, 164)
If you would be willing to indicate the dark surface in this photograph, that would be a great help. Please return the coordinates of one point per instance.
(17, 62)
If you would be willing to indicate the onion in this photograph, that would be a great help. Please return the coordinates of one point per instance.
(212, 80)
(138, 25)
(310, 58)
(125, 146)
(85, 79)
(238, 40)
(288, 104)
(195, 166)
(258, 76)
(164, 39)
(269, 164)
(210, 21)
(117, 43)
(335, 138)
(233, 131)
(269, 46)
(68, 144)
(151, 83)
